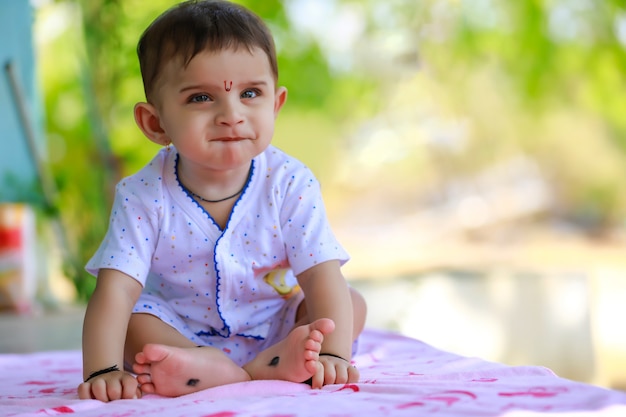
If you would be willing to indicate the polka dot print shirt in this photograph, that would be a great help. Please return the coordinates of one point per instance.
(212, 278)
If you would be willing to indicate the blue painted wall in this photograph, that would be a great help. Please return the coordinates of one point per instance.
(18, 179)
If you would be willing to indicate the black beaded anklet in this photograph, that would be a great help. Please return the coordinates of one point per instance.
(113, 368)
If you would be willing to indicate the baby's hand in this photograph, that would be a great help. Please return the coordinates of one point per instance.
(111, 386)
(334, 371)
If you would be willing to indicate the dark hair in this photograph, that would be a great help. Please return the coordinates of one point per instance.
(194, 26)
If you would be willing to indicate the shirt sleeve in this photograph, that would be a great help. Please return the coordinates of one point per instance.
(132, 235)
(309, 239)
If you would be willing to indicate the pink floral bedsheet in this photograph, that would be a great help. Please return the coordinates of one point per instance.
(400, 377)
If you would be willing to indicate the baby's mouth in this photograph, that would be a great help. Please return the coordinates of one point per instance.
(229, 139)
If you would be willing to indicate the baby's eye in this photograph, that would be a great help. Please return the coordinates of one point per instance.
(199, 98)
(250, 94)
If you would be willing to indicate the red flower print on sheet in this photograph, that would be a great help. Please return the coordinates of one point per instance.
(222, 414)
(353, 387)
(39, 383)
(63, 410)
(537, 392)
(411, 404)
(446, 397)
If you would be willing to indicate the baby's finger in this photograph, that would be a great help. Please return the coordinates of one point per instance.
(341, 374)
(99, 389)
(353, 375)
(84, 391)
(114, 389)
(330, 373)
(130, 388)
(317, 380)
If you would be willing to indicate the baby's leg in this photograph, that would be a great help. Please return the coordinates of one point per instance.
(169, 364)
(175, 366)
(173, 371)
(295, 358)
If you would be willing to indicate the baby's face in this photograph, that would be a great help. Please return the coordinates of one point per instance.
(220, 110)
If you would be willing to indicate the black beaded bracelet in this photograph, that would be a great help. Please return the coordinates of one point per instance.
(113, 368)
(334, 356)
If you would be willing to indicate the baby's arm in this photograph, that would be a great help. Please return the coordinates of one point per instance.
(104, 335)
(327, 295)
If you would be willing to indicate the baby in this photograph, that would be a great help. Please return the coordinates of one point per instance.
(219, 265)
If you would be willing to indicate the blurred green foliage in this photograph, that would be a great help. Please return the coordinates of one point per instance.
(508, 66)
(555, 58)
(537, 77)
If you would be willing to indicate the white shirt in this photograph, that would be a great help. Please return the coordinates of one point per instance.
(221, 282)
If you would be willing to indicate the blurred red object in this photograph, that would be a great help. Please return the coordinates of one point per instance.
(17, 260)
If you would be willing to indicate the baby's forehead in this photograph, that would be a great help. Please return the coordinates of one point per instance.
(181, 62)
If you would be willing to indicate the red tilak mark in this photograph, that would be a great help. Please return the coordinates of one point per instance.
(229, 86)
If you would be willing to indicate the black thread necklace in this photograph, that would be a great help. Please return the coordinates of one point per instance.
(206, 200)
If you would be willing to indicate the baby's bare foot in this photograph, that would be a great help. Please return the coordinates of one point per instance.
(172, 371)
(295, 358)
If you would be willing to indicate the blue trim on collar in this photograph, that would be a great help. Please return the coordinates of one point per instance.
(218, 277)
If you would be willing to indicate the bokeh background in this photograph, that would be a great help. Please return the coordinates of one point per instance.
(472, 155)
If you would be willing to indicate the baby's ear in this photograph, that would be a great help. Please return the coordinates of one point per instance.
(279, 100)
(148, 120)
